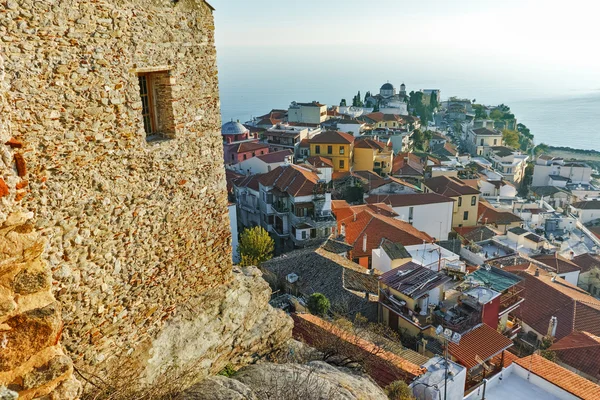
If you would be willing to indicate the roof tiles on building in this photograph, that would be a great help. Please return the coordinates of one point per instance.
(291, 179)
(276, 157)
(561, 377)
(405, 200)
(560, 264)
(580, 350)
(481, 343)
(251, 146)
(371, 144)
(320, 162)
(449, 186)
(334, 137)
(586, 262)
(587, 205)
(487, 214)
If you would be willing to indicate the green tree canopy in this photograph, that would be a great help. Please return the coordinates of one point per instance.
(496, 115)
(343, 103)
(318, 304)
(511, 138)
(255, 247)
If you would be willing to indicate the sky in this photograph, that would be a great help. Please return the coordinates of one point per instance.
(542, 38)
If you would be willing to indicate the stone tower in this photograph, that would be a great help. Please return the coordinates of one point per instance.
(112, 187)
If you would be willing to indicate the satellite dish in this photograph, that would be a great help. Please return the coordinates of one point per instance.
(448, 334)
(456, 337)
(439, 330)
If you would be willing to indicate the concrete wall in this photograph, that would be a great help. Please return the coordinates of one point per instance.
(134, 229)
(428, 217)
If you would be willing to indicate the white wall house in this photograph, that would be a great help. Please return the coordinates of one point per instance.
(428, 212)
(586, 211)
(265, 163)
(351, 126)
(433, 256)
(546, 169)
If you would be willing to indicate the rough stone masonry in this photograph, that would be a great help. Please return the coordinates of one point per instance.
(122, 227)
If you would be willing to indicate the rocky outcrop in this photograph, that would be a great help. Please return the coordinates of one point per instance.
(232, 324)
(313, 381)
(32, 361)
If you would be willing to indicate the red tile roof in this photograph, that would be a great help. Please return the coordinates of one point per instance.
(371, 144)
(384, 366)
(558, 263)
(544, 299)
(404, 200)
(230, 177)
(587, 205)
(277, 156)
(320, 162)
(580, 350)
(561, 377)
(291, 179)
(332, 137)
(586, 262)
(250, 181)
(482, 343)
(377, 227)
(342, 211)
(407, 164)
(251, 146)
(487, 214)
(449, 186)
(381, 117)
(304, 143)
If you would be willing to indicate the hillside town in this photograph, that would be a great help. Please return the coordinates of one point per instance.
(437, 220)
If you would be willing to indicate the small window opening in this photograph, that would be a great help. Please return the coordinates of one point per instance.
(157, 105)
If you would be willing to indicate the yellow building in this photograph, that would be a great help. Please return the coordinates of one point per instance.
(337, 146)
(405, 294)
(373, 156)
(466, 198)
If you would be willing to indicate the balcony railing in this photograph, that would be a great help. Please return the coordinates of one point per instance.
(510, 300)
(281, 208)
(513, 327)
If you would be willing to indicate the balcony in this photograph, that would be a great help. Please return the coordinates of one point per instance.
(280, 231)
(250, 206)
(399, 307)
(280, 207)
(512, 329)
(510, 300)
(459, 318)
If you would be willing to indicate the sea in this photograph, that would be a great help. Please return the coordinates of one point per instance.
(255, 80)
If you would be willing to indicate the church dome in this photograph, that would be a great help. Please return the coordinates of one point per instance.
(233, 128)
(387, 86)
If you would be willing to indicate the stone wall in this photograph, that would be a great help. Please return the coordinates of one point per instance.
(132, 229)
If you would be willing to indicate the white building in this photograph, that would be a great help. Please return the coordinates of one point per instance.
(434, 257)
(586, 211)
(479, 140)
(307, 113)
(511, 164)
(351, 126)
(548, 171)
(264, 163)
(430, 385)
(428, 212)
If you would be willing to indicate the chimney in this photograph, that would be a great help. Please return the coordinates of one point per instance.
(552, 327)
(365, 243)
(537, 272)
(343, 231)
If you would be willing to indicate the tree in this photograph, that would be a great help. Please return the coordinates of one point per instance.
(541, 149)
(318, 304)
(496, 115)
(433, 103)
(419, 140)
(480, 112)
(343, 103)
(547, 342)
(255, 247)
(511, 138)
(367, 95)
(399, 390)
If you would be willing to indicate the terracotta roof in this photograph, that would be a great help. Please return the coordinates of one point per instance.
(371, 144)
(404, 200)
(230, 177)
(277, 156)
(381, 117)
(383, 359)
(339, 204)
(449, 186)
(250, 182)
(320, 162)
(587, 205)
(586, 262)
(509, 358)
(342, 212)
(251, 146)
(482, 343)
(377, 227)
(486, 213)
(560, 264)
(561, 377)
(545, 299)
(304, 143)
(475, 233)
(292, 179)
(580, 350)
(407, 164)
(332, 137)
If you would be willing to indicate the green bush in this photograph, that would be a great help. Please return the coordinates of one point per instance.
(399, 390)
(318, 304)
